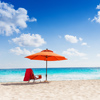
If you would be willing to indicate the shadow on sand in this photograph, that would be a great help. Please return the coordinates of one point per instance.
(24, 83)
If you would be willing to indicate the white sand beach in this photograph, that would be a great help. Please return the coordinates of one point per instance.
(53, 90)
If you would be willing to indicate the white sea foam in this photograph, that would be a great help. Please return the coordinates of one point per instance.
(11, 78)
(73, 77)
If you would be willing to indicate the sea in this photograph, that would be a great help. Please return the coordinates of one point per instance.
(54, 74)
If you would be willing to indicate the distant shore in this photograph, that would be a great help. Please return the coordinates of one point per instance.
(52, 90)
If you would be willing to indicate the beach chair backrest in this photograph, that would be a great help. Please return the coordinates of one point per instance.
(28, 74)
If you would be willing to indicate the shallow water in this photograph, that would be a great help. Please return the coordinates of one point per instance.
(17, 75)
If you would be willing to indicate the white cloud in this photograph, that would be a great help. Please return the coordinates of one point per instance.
(98, 6)
(97, 17)
(37, 50)
(32, 20)
(24, 52)
(18, 51)
(73, 52)
(12, 20)
(72, 39)
(34, 40)
(98, 55)
(84, 43)
(80, 39)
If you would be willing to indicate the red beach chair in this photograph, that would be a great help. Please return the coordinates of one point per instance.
(30, 75)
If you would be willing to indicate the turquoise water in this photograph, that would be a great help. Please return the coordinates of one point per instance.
(17, 75)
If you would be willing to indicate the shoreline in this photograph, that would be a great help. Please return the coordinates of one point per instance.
(38, 81)
(52, 90)
(43, 81)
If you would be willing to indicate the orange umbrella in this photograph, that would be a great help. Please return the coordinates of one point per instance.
(46, 55)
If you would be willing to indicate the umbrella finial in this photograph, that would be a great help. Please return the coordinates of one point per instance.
(46, 48)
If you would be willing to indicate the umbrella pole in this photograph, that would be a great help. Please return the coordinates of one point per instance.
(46, 70)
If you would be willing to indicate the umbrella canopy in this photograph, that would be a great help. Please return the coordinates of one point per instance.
(46, 55)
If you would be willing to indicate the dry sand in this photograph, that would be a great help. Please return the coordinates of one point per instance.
(53, 90)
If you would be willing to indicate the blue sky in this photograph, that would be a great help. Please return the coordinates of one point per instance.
(69, 28)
